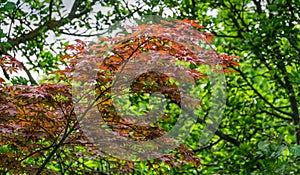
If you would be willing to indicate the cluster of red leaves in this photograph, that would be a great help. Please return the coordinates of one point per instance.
(10, 65)
(70, 58)
(33, 119)
(168, 39)
(174, 39)
(29, 115)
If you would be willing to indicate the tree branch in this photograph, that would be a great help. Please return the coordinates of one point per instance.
(5, 73)
(207, 146)
(222, 135)
(50, 9)
(31, 79)
(49, 25)
(258, 6)
(276, 115)
(227, 138)
(259, 94)
(293, 102)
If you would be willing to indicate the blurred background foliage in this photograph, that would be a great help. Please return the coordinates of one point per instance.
(259, 133)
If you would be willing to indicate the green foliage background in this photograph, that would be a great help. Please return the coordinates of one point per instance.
(259, 133)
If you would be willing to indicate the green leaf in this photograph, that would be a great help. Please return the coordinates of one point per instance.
(10, 6)
(295, 150)
(1, 32)
(264, 145)
(5, 46)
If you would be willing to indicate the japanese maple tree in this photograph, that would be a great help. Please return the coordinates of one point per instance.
(40, 131)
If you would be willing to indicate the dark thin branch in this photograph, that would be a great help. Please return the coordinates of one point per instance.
(207, 146)
(258, 6)
(222, 135)
(276, 115)
(5, 73)
(293, 102)
(81, 35)
(227, 138)
(31, 79)
(50, 9)
(259, 94)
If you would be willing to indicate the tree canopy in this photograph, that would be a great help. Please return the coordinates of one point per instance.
(259, 132)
